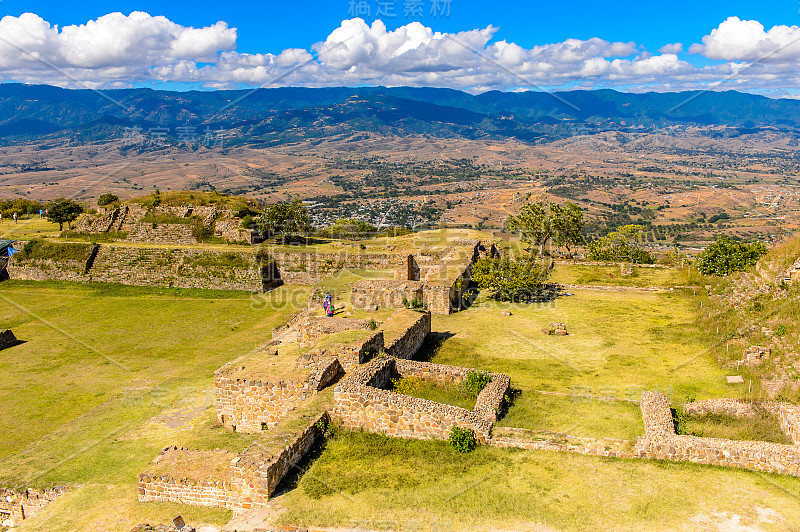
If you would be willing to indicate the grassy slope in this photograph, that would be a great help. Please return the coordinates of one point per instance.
(71, 414)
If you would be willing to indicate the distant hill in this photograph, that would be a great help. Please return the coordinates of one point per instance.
(283, 115)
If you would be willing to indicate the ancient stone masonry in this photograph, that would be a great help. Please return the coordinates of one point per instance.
(224, 479)
(660, 442)
(361, 402)
(7, 338)
(404, 332)
(38, 269)
(310, 268)
(438, 280)
(249, 404)
(16, 506)
(788, 414)
(351, 348)
(128, 218)
(315, 327)
(259, 469)
(161, 233)
(541, 440)
(191, 486)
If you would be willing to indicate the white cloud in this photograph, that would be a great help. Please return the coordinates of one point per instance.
(737, 39)
(116, 50)
(674, 48)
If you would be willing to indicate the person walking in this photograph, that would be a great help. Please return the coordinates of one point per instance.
(15, 217)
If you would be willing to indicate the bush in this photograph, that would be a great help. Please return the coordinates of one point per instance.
(475, 382)
(509, 278)
(724, 256)
(462, 440)
(407, 385)
(414, 304)
(372, 324)
(107, 199)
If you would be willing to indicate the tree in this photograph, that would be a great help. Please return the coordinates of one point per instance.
(283, 218)
(724, 256)
(62, 211)
(349, 228)
(567, 224)
(622, 245)
(510, 278)
(542, 221)
(107, 199)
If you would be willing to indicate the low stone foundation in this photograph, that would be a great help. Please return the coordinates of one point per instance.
(187, 487)
(660, 442)
(238, 482)
(360, 402)
(788, 414)
(16, 506)
(251, 405)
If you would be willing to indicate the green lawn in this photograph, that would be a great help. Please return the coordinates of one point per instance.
(364, 481)
(108, 375)
(610, 275)
(619, 344)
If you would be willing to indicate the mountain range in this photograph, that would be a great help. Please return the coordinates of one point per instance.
(283, 115)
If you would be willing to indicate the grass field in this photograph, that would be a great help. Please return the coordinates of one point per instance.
(610, 275)
(620, 343)
(108, 375)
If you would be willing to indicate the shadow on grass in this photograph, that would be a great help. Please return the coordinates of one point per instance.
(433, 342)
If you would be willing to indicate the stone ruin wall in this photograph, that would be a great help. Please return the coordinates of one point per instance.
(254, 474)
(126, 218)
(166, 488)
(17, 506)
(361, 404)
(259, 470)
(161, 233)
(315, 327)
(788, 414)
(660, 442)
(408, 343)
(244, 405)
(358, 352)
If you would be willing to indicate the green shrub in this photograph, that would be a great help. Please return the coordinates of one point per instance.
(107, 199)
(475, 382)
(414, 304)
(407, 385)
(372, 324)
(462, 440)
(724, 256)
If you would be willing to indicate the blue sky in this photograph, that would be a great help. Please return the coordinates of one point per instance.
(265, 30)
(271, 26)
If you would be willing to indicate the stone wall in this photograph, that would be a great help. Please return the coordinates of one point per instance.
(219, 492)
(16, 506)
(660, 442)
(788, 415)
(384, 293)
(250, 405)
(259, 469)
(324, 372)
(179, 267)
(404, 332)
(21, 267)
(314, 327)
(161, 233)
(360, 403)
(7, 338)
(247, 482)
